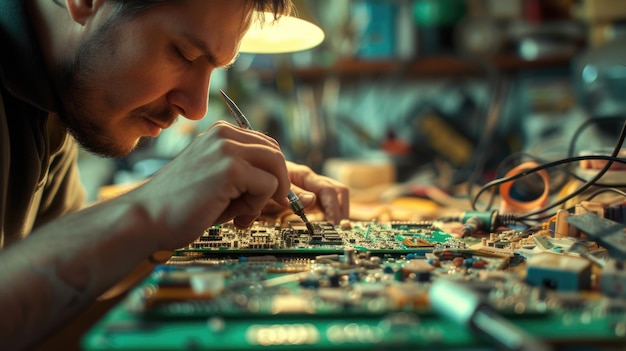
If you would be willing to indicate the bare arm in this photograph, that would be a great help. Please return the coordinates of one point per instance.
(66, 264)
(62, 267)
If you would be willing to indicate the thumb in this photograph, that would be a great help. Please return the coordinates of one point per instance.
(244, 222)
(307, 198)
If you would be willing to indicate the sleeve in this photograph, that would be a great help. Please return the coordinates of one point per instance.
(63, 192)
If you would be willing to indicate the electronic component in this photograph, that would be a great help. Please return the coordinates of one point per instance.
(606, 232)
(561, 227)
(559, 272)
(400, 237)
(359, 285)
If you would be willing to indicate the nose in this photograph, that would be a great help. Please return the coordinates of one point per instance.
(191, 95)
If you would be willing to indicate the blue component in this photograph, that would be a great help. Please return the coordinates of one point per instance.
(419, 254)
(559, 272)
(243, 259)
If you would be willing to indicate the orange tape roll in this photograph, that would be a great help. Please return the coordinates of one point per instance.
(510, 205)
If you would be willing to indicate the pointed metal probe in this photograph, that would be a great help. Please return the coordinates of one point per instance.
(294, 202)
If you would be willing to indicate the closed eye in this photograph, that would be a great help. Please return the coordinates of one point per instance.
(180, 55)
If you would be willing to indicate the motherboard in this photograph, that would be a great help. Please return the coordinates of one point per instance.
(294, 237)
(373, 286)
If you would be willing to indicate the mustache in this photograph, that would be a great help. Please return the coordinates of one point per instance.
(162, 115)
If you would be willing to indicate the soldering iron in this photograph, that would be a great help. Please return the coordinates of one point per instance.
(294, 201)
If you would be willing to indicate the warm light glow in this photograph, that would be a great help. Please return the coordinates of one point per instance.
(288, 34)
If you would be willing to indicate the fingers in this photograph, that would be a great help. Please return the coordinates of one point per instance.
(331, 196)
(243, 190)
(243, 222)
(229, 173)
(259, 150)
(225, 130)
(334, 201)
(328, 194)
(225, 173)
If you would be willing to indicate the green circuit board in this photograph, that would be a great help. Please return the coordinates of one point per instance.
(358, 287)
(295, 238)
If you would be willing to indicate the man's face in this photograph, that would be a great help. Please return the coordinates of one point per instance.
(133, 77)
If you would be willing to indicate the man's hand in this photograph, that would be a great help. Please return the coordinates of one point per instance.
(317, 193)
(225, 173)
(229, 173)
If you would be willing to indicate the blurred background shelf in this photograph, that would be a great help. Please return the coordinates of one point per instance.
(423, 67)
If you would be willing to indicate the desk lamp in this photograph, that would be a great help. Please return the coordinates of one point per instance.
(288, 34)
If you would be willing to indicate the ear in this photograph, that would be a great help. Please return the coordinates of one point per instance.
(82, 10)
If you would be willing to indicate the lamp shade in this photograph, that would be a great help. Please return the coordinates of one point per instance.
(287, 34)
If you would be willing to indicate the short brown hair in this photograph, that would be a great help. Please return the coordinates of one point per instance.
(132, 7)
(277, 7)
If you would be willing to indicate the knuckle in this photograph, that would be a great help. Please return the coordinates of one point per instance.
(303, 168)
(274, 142)
(280, 157)
(222, 129)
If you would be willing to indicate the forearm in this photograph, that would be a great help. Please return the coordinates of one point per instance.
(139, 273)
(62, 267)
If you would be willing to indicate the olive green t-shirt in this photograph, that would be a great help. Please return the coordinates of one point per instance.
(39, 177)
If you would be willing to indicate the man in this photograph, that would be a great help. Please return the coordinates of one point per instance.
(111, 72)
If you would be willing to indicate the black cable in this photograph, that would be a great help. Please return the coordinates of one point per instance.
(565, 170)
(584, 125)
(529, 171)
(591, 182)
(581, 189)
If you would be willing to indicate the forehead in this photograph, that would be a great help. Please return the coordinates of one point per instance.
(218, 24)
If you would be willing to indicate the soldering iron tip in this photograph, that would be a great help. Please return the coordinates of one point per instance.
(309, 227)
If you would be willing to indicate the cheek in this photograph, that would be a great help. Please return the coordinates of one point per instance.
(139, 75)
(139, 84)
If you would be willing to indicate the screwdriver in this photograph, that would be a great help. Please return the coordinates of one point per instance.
(294, 201)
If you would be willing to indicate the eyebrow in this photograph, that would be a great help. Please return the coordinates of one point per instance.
(201, 46)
